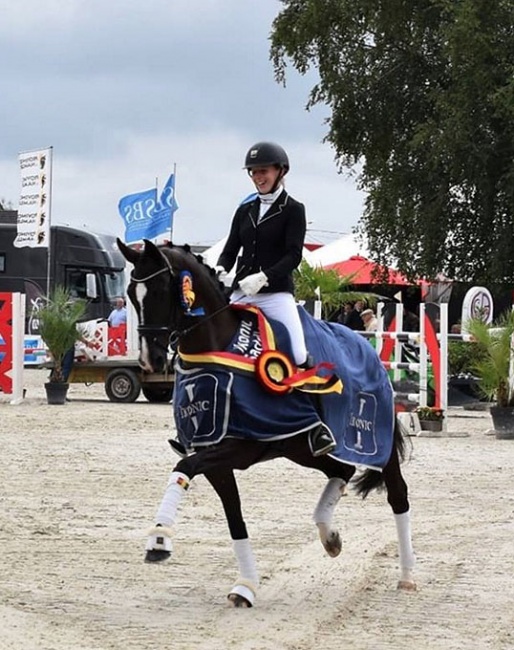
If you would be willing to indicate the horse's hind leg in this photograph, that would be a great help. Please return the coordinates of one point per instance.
(244, 589)
(323, 513)
(397, 497)
(297, 450)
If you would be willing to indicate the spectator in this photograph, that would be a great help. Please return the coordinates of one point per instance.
(354, 320)
(118, 315)
(370, 320)
(344, 313)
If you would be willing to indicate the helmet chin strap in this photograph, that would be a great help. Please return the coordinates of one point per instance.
(277, 182)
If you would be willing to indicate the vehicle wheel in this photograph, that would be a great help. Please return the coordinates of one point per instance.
(122, 385)
(156, 394)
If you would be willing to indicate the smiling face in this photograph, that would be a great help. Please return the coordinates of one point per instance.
(264, 178)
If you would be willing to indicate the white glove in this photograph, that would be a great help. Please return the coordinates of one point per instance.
(253, 283)
(221, 274)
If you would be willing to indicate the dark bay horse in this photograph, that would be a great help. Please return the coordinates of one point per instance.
(178, 299)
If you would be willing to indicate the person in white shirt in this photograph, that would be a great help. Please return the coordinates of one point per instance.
(118, 315)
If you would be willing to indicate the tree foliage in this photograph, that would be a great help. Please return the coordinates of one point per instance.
(421, 95)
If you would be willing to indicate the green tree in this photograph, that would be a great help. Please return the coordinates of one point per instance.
(421, 98)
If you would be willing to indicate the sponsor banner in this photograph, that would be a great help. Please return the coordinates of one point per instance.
(33, 225)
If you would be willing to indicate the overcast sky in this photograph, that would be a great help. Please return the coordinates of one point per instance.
(123, 90)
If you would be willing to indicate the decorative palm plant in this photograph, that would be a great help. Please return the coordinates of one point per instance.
(493, 364)
(313, 283)
(58, 319)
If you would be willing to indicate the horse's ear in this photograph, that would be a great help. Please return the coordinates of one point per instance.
(152, 251)
(128, 253)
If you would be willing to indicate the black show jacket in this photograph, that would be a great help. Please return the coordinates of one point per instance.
(274, 245)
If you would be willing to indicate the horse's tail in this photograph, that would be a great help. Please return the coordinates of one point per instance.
(372, 479)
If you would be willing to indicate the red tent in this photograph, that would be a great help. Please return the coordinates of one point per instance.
(362, 270)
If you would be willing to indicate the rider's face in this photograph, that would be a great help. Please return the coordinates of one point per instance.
(264, 178)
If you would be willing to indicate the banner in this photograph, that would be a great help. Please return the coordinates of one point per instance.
(147, 217)
(35, 199)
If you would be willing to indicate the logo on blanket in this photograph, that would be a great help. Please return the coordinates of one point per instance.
(247, 340)
(200, 405)
(360, 435)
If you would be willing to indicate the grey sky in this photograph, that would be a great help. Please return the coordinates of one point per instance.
(123, 90)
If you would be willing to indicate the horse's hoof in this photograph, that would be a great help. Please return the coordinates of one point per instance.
(242, 593)
(407, 585)
(158, 545)
(239, 601)
(157, 555)
(331, 540)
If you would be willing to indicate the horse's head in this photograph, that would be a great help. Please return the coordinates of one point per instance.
(174, 295)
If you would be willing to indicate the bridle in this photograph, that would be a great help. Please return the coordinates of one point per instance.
(174, 334)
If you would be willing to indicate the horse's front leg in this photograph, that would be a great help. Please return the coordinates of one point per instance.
(159, 546)
(216, 464)
(244, 589)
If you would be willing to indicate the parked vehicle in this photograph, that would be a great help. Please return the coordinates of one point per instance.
(87, 264)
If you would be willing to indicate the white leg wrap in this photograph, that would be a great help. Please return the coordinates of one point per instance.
(248, 580)
(175, 491)
(328, 500)
(405, 550)
(246, 562)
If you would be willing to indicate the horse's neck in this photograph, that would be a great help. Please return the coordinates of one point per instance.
(213, 334)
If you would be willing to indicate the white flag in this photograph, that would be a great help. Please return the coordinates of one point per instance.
(35, 200)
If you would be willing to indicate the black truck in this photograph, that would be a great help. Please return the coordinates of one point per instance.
(88, 264)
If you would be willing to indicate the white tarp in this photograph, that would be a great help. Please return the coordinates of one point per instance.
(337, 251)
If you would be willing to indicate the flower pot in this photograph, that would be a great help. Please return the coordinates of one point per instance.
(431, 425)
(503, 421)
(56, 392)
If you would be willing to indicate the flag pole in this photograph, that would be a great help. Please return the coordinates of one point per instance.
(154, 239)
(49, 250)
(172, 212)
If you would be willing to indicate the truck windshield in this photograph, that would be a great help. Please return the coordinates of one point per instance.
(115, 284)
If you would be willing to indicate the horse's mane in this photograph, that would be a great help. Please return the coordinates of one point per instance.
(204, 268)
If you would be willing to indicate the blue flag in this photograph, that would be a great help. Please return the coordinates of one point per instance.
(145, 216)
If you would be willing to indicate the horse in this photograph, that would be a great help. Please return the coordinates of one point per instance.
(180, 303)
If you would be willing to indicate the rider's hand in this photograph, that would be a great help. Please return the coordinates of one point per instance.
(221, 274)
(252, 284)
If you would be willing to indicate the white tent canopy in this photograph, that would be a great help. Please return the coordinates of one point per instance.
(341, 249)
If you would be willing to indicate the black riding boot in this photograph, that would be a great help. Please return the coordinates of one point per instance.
(321, 440)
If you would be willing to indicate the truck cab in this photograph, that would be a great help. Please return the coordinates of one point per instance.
(88, 264)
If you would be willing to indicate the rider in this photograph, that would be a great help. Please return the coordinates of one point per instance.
(270, 232)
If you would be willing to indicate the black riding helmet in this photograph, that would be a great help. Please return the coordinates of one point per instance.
(263, 154)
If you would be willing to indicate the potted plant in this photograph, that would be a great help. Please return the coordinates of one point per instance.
(493, 367)
(58, 319)
(430, 418)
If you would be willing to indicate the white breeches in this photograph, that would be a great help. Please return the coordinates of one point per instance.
(282, 307)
